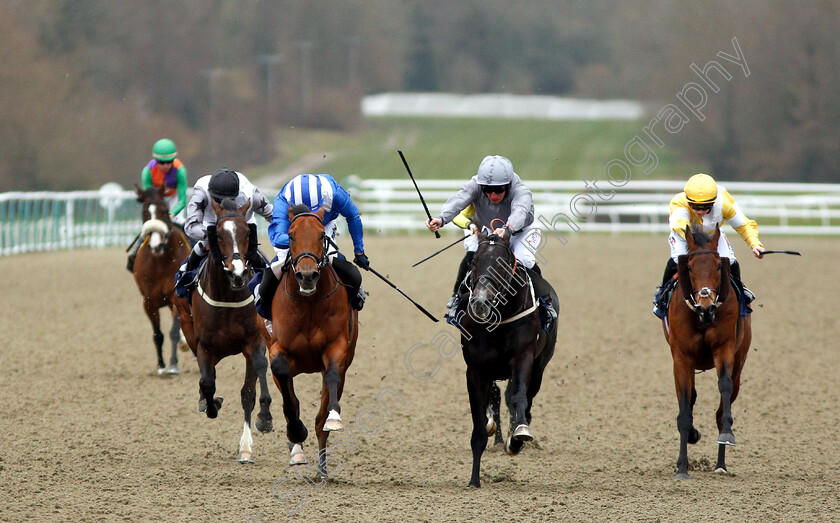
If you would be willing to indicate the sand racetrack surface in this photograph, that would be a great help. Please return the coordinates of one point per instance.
(88, 432)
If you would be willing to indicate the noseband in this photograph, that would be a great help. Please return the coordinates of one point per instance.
(508, 275)
(703, 292)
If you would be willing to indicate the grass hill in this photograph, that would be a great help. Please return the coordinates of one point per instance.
(446, 148)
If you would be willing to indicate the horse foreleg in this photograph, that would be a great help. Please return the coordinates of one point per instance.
(295, 430)
(175, 337)
(519, 381)
(264, 421)
(494, 416)
(157, 336)
(248, 396)
(478, 388)
(208, 403)
(684, 382)
(329, 395)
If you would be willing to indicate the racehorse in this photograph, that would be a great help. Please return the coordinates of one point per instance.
(163, 246)
(705, 330)
(502, 338)
(224, 321)
(314, 329)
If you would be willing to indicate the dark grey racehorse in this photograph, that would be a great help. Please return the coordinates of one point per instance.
(502, 339)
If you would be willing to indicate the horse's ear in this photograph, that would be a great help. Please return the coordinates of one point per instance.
(244, 209)
(321, 213)
(161, 192)
(715, 237)
(217, 207)
(683, 275)
(507, 234)
(140, 194)
(689, 238)
(725, 284)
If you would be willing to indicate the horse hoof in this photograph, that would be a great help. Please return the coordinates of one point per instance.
(172, 370)
(522, 434)
(297, 456)
(513, 446)
(681, 475)
(726, 439)
(245, 457)
(693, 436)
(218, 400)
(160, 371)
(202, 406)
(264, 426)
(333, 423)
(473, 485)
(491, 427)
(721, 471)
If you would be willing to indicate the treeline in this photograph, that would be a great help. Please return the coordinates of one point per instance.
(89, 85)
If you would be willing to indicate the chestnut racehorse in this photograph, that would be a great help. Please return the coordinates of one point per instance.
(314, 329)
(163, 246)
(705, 331)
(224, 321)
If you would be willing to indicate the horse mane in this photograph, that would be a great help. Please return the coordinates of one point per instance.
(299, 209)
(228, 204)
(700, 238)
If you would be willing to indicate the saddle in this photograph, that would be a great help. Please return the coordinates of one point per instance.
(263, 303)
(186, 281)
(667, 292)
(541, 293)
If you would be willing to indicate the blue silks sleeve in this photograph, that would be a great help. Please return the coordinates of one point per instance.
(278, 229)
(345, 206)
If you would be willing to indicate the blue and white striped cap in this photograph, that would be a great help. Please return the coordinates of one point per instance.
(312, 190)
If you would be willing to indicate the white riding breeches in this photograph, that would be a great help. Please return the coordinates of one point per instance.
(330, 229)
(679, 246)
(171, 202)
(523, 244)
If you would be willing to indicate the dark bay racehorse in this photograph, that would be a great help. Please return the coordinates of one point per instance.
(705, 331)
(314, 329)
(163, 246)
(502, 338)
(224, 321)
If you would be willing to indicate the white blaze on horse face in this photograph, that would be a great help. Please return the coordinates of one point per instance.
(238, 264)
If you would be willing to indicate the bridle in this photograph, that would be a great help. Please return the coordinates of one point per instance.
(689, 292)
(320, 261)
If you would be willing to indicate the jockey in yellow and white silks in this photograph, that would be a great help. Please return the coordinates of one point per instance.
(706, 203)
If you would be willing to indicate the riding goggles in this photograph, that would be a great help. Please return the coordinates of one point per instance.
(701, 206)
(497, 189)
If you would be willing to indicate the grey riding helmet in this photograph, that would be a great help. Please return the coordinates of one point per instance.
(495, 171)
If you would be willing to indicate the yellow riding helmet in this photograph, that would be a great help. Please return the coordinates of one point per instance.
(701, 188)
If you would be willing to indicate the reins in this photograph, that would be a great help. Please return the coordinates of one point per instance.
(320, 262)
(507, 284)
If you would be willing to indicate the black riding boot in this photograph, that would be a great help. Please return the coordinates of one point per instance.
(735, 271)
(670, 271)
(349, 275)
(129, 265)
(466, 263)
(543, 292)
(268, 286)
(192, 262)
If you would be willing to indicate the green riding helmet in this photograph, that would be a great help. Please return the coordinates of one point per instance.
(164, 150)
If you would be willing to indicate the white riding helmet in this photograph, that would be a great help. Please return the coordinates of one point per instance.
(495, 170)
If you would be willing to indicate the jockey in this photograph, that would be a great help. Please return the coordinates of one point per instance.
(708, 204)
(167, 171)
(317, 191)
(501, 201)
(223, 183)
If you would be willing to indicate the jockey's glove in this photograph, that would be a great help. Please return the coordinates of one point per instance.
(362, 261)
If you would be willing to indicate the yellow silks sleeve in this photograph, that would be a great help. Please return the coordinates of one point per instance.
(464, 217)
(748, 229)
